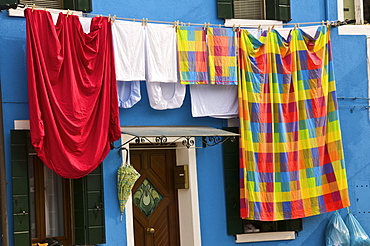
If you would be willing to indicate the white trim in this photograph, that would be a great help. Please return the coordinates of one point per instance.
(354, 30)
(359, 12)
(21, 124)
(128, 208)
(340, 10)
(265, 236)
(187, 198)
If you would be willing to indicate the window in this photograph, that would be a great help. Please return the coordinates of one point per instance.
(81, 5)
(254, 9)
(50, 203)
(42, 201)
(236, 225)
(356, 11)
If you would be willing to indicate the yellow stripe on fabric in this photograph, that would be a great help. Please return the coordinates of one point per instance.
(252, 91)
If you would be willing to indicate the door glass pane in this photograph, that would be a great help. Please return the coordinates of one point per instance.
(146, 197)
(32, 197)
(54, 209)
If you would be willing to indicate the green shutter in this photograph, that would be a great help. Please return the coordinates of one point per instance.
(6, 2)
(225, 9)
(231, 178)
(89, 208)
(20, 184)
(82, 5)
(278, 10)
(290, 225)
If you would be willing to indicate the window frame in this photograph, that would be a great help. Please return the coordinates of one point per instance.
(358, 6)
(66, 239)
(273, 9)
(90, 189)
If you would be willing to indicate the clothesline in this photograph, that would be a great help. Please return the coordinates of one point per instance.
(144, 21)
(205, 24)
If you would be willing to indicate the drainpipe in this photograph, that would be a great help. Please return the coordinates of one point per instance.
(327, 10)
(3, 202)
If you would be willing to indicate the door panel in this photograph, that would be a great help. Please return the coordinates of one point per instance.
(155, 198)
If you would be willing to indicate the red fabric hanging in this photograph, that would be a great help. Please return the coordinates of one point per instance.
(72, 92)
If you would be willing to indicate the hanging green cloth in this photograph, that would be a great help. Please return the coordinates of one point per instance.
(126, 178)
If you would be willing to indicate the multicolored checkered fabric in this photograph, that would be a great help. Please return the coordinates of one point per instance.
(292, 163)
(222, 56)
(192, 55)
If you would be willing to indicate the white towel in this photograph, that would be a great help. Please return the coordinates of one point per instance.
(129, 55)
(161, 53)
(85, 23)
(165, 95)
(128, 93)
(218, 101)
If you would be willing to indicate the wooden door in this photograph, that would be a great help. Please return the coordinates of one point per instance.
(155, 198)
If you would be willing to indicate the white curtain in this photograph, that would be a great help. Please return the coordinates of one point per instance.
(54, 213)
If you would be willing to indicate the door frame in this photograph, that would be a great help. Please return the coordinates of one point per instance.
(188, 203)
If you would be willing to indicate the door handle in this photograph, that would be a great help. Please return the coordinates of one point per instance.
(150, 230)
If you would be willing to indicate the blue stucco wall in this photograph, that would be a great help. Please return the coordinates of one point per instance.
(350, 66)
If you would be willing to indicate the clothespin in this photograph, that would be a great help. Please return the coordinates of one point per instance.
(134, 20)
(259, 27)
(143, 22)
(44, 9)
(109, 18)
(239, 28)
(233, 27)
(33, 7)
(67, 12)
(72, 13)
(209, 25)
(205, 26)
(295, 27)
(322, 22)
(268, 29)
(114, 18)
(146, 21)
(174, 24)
(219, 25)
(189, 24)
(298, 25)
(272, 28)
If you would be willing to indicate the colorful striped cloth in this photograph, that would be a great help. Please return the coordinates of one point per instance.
(292, 163)
(192, 55)
(222, 56)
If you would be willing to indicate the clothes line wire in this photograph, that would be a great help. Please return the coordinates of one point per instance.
(205, 24)
(144, 21)
(355, 98)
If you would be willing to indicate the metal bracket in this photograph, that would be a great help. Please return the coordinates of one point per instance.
(214, 140)
(187, 142)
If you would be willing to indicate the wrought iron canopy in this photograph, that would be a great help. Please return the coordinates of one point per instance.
(210, 136)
